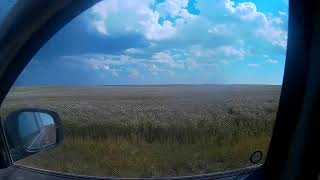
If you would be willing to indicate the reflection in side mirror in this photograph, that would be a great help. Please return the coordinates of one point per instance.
(37, 130)
(32, 130)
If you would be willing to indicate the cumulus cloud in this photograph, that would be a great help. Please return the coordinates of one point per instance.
(155, 31)
(171, 19)
(120, 16)
(175, 9)
(274, 36)
(267, 29)
(243, 20)
(179, 38)
(223, 32)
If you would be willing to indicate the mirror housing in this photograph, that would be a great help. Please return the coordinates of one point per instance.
(31, 130)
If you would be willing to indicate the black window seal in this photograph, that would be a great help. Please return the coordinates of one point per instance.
(301, 20)
(218, 175)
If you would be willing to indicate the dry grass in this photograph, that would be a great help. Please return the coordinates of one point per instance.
(136, 158)
(146, 131)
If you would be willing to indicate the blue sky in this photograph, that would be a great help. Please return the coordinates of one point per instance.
(166, 42)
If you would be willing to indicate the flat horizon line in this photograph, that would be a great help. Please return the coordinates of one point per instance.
(79, 85)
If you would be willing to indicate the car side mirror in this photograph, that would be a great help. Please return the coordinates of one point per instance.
(29, 131)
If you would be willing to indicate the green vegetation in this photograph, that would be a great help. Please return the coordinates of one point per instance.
(147, 131)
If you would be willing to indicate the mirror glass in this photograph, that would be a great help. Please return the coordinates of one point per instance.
(37, 130)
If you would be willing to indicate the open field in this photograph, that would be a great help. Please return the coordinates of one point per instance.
(145, 131)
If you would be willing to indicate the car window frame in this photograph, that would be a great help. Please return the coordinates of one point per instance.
(64, 11)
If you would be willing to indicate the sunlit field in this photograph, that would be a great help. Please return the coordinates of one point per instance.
(148, 131)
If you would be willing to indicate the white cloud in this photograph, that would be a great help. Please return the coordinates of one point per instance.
(121, 16)
(106, 67)
(223, 33)
(134, 74)
(253, 65)
(113, 64)
(174, 9)
(153, 30)
(224, 52)
(219, 29)
(155, 70)
(162, 57)
(100, 26)
(100, 62)
(272, 61)
(166, 59)
(282, 13)
(156, 63)
(277, 21)
(247, 11)
(274, 36)
(133, 51)
(222, 18)
(231, 51)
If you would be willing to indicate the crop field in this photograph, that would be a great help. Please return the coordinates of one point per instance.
(151, 131)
